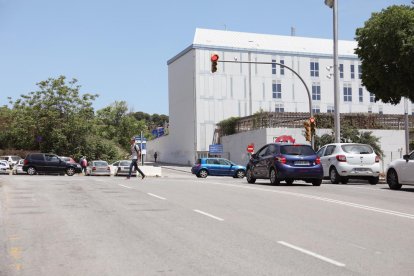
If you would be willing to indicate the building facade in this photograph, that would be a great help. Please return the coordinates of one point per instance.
(249, 79)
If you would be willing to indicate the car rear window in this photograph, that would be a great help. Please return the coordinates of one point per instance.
(15, 158)
(357, 149)
(100, 163)
(297, 150)
(125, 163)
(37, 156)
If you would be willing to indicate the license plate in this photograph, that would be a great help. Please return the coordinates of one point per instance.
(302, 163)
(361, 169)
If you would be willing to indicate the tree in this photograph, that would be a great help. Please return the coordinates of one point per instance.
(56, 118)
(386, 50)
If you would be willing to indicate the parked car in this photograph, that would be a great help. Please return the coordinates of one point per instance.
(121, 167)
(217, 166)
(48, 163)
(12, 159)
(342, 161)
(4, 166)
(98, 167)
(401, 171)
(285, 162)
(18, 168)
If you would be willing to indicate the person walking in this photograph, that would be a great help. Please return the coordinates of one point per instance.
(136, 155)
(84, 164)
(155, 157)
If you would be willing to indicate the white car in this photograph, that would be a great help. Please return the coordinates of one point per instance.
(98, 167)
(4, 166)
(18, 168)
(12, 159)
(342, 161)
(401, 171)
(121, 167)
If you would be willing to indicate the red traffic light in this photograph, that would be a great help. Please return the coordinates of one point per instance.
(214, 57)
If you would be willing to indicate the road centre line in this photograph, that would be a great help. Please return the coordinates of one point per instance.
(312, 254)
(160, 197)
(339, 202)
(208, 215)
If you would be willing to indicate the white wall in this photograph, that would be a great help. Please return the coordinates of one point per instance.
(392, 142)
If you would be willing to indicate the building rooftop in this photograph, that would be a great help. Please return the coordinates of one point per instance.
(266, 42)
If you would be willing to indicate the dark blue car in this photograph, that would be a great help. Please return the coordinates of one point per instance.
(217, 166)
(285, 162)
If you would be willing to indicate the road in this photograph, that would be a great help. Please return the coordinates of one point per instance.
(182, 225)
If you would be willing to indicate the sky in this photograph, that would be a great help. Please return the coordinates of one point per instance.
(119, 48)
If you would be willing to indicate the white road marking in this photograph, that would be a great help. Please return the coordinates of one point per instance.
(209, 215)
(125, 186)
(160, 197)
(312, 254)
(345, 203)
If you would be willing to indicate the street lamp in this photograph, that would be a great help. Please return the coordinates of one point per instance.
(333, 4)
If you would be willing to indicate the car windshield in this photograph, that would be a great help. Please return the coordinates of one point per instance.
(3, 163)
(357, 149)
(100, 163)
(297, 150)
(125, 163)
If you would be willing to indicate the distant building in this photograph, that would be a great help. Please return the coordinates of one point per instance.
(199, 99)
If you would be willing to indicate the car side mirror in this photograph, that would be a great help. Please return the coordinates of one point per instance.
(406, 157)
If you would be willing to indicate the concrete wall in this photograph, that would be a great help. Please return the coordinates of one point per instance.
(392, 142)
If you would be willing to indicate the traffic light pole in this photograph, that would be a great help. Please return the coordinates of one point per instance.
(290, 69)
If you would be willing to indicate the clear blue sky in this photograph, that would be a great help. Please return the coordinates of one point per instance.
(119, 49)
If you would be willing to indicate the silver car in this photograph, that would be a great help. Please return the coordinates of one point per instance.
(121, 167)
(98, 167)
(342, 161)
(401, 171)
(4, 167)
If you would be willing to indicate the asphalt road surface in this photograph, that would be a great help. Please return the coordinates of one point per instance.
(183, 225)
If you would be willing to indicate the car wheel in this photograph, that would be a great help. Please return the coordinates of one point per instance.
(240, 174)
(289, 181)
(334, 176)
(373, 180)
(273, 177)
(344, 180)
(392, 180)
(70, 171)
(202, 173)
(31, 171)
(317, 182)
(249, 176)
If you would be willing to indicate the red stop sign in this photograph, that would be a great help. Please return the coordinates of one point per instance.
(250, 148)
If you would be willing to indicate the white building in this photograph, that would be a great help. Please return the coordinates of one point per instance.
(199, 99)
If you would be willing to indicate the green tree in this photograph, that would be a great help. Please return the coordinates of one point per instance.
(56, 118)
(386, 50)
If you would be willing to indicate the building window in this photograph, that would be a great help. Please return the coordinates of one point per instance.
(347, 93)
(316, 109)
(359, 71)
(279, 108)
(277, 90)
(371, 98)
(316, 92)
(361, 95)
(341, 71)
(330, 109)
(381, 110)
(352, 71)
(282, 69)
(273, 67)
(369, 109)
(314, 69)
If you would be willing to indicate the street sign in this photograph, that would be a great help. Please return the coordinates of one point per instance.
(250, 148)
(215, 149)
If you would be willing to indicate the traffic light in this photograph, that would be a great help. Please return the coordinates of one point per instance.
(312, 122)
(214, 59)
(308, 132)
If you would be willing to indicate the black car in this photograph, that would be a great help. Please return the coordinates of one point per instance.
(49, 163)
(285, 162)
